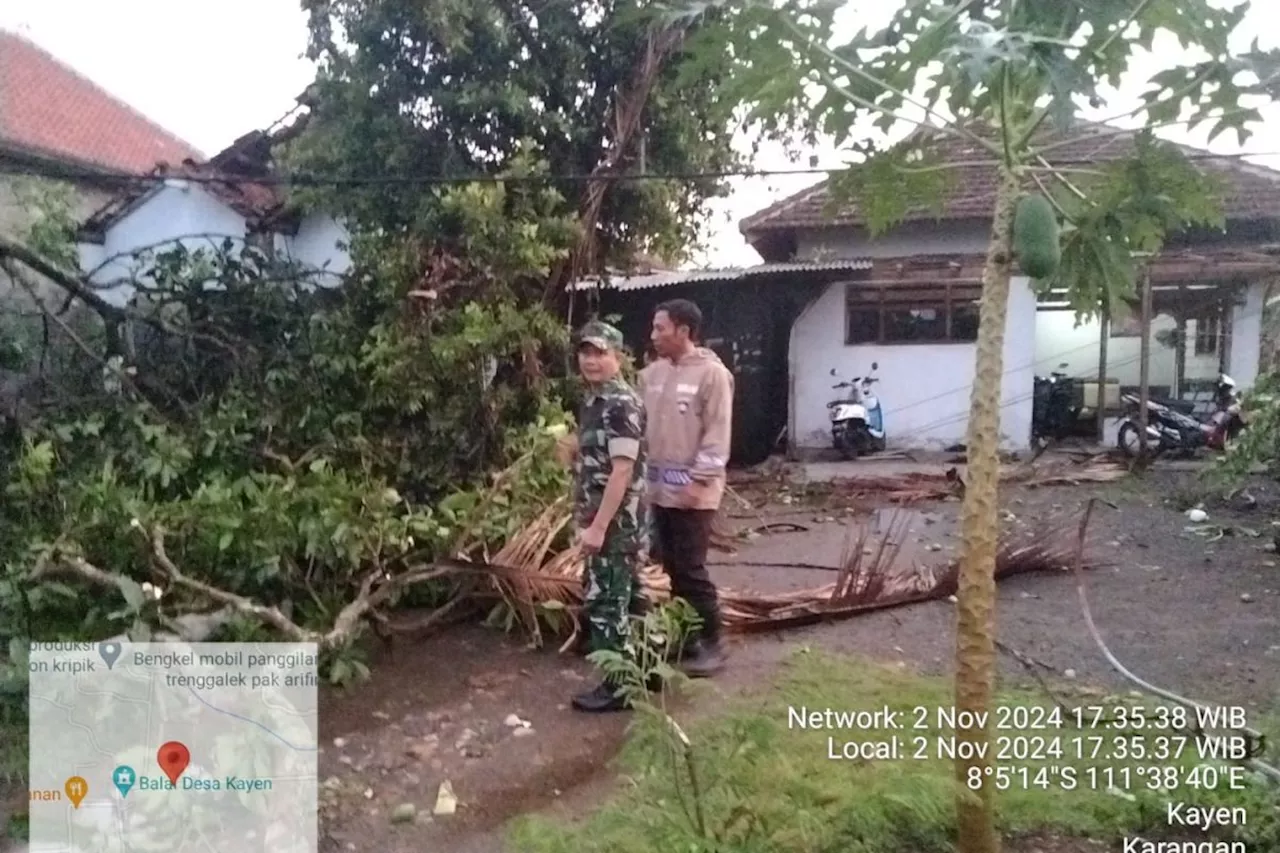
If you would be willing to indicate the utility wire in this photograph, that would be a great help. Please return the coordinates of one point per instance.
(302, 179)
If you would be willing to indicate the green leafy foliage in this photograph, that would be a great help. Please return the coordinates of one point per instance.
(289, 437)
(1259, 444)
(50, 225)
(1127, 210)
(449, 88)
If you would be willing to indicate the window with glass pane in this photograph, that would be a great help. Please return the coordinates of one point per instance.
(911, 313)
(912, 322)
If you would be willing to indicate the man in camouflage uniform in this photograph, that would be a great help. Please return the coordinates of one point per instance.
(608, 492)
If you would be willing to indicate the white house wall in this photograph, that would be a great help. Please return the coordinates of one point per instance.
(189, 216)
(925, 389)
(186, 215)
(320, 244)
(1246, 336)
(1059, 340)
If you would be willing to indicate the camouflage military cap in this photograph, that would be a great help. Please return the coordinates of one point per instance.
(600, 335)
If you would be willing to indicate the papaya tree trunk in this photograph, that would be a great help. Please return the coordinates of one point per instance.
(975, 610)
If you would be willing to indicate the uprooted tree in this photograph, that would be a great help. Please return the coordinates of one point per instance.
(257, 448)
(1005, 79)
(229, 447)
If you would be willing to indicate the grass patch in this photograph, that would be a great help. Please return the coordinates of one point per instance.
(765, 786)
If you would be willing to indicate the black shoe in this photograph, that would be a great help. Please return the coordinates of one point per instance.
(703, 660)
(603, 699)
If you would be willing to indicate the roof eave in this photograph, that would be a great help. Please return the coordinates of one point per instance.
(47, 160)
(671, 278)
(95, 228)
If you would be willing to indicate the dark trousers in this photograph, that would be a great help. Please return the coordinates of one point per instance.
(682, 537)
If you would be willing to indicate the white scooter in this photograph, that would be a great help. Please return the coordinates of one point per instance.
(857, 421)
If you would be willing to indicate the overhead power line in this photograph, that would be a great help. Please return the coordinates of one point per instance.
(300, 179)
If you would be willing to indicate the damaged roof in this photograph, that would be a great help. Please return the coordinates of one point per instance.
(249, 157)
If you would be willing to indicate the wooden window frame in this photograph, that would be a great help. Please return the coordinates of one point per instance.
(1208, 341)
(908, 295)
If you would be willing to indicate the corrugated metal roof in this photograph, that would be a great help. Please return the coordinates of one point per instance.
(667, 278)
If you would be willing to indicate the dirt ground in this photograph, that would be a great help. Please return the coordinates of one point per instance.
(480, 711)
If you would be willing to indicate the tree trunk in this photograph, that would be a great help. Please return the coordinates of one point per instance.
(980, 529)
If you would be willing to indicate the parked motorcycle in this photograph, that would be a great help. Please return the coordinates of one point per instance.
(857, 421)
(1172, 428)
(1055, 405)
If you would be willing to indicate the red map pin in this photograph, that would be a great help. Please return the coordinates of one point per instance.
(174, 758)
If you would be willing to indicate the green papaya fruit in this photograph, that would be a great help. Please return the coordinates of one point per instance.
(1036, 237)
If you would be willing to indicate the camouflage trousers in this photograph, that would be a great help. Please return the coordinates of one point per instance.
(609, 590)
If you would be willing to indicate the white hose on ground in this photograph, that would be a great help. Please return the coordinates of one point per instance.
(1258, 766)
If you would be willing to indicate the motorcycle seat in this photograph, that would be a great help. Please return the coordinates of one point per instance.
(1185, 407)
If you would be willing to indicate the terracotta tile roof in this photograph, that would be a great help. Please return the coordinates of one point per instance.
(50, 109)
(1252, 192)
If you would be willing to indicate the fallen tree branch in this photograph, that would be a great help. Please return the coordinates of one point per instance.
(370, 599)
(439, 616)
(50, 565)
(376, 589)
(529, 579)
(270, 615)
(17, 276)
(67, 280)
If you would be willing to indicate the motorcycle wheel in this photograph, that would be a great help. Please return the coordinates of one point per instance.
(1127, 439)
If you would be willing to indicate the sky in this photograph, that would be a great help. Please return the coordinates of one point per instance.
(212, 72)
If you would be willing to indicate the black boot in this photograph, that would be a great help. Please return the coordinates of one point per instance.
(703, 660)
(704, 657)
(602, 699)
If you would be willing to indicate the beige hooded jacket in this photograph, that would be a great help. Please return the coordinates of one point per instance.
(689, 405)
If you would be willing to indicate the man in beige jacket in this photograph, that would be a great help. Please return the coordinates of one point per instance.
(688, 396)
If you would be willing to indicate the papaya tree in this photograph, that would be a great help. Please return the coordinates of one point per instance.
(1006, 78)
